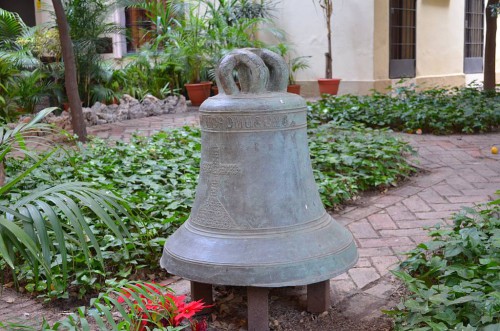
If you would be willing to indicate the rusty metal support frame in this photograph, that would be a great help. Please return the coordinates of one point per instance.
(202, 291)
(318, 297)
(258, 308)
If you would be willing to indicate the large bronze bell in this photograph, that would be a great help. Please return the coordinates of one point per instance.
(257, 219)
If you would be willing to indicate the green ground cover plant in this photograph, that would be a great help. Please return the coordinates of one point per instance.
(350, 158)
(437, 110)
(157, 176)
(454, 280)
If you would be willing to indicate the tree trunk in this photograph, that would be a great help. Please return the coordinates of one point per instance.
(328, 57)
(490, 47)
(328, 15)
(71, 84)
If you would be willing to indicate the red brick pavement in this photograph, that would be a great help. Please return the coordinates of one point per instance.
(460, 172)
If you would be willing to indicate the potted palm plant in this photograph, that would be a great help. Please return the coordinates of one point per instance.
(191, 40)
(328, 85)
(295, 64)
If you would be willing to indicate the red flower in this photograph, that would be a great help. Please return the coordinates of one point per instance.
(188, 310)
(177, 300)
(161, 308)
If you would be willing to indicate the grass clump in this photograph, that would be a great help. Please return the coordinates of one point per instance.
(454, 280)
(437, 111)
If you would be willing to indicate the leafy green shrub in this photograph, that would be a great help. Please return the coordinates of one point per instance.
(349, 159)
(454, 280)
(149, 72)
(22, 84)
(439, 110)
(157, 176)
(88, 22)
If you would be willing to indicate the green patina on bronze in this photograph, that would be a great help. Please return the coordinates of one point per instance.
(257, 219)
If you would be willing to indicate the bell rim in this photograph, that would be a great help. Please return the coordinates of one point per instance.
(318, 253)
(252, 278)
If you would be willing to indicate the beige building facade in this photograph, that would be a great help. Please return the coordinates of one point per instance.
(375, 42)
(363, 33)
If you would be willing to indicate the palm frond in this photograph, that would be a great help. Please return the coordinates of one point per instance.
(25, 133)
(21, 58)
(11, 27)
(41, 224)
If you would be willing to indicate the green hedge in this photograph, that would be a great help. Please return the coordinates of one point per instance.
(438, 111)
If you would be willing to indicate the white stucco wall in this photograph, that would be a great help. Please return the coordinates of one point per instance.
(440, 44)
(440, 37)
(305, 25)
(353, 28)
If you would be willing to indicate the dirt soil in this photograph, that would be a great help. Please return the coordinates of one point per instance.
(287, 312)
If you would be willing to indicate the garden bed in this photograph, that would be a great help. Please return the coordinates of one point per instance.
(407, 109)
(158, 176)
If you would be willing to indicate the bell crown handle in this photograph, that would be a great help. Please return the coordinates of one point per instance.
(259, 71)
(278, 69)
(252, 73)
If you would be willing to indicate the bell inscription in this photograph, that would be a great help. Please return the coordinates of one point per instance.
(212, 212)
(252, 122)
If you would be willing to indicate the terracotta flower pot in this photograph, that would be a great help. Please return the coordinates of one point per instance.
(328, 86)
(215, 90)
(294, 88)
(113, 101)
(198, 93)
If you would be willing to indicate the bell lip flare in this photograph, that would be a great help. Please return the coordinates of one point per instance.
(244, 260)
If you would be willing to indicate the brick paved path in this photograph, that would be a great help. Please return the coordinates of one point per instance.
(144, 126)
(460, 172)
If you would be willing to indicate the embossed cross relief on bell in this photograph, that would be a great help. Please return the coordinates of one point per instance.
(257, 219)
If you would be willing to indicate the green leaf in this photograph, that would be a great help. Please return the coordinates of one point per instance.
(403, 276)
(5, 188)
(466, 298)
(28, 243)
(491, 327)
(438, 326)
